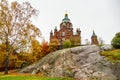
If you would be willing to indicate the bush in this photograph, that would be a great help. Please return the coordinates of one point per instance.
(116, 41)
(67, 43)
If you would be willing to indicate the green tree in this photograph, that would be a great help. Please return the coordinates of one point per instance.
(67, 43)
(16, 29)
(116, 41)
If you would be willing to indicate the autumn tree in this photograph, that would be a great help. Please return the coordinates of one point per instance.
(16, 29)
(53, 45)
(72, 40)
(44, 48)
(75, 41)
(2, 55)
(36, 49)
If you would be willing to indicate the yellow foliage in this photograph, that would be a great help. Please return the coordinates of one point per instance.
(14, 31)
(2, 54)
(2, 58)
(53, 45)
(13, 5)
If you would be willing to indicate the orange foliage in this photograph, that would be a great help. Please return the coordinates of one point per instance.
(44, 49)
(22, 59)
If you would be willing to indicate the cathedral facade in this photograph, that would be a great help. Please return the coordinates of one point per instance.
(66, 33)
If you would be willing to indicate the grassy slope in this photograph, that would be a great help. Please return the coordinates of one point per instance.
(113, 55)
(15, 75)
(29, 77)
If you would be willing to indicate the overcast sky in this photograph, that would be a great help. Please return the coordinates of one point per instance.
(102, 16)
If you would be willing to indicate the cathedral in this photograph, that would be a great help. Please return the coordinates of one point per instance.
(66, 33)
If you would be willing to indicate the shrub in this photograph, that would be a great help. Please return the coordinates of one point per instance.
(67, 43)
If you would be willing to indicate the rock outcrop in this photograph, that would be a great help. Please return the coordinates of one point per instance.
(106, 47)
(82, 63)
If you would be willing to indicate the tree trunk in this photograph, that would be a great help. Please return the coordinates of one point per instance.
(6, 64)
(7, 57)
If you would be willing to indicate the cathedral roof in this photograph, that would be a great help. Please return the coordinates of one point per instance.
(66, 19)
(94, 33)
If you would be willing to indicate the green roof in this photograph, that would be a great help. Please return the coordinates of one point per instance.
(93, 33)
(66, 19)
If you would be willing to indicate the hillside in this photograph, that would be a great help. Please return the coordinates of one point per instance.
(82, 63)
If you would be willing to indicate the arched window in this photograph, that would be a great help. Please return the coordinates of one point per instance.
(63, 39)
(63, 33)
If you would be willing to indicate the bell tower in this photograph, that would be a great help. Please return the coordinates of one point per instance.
(94, 38)
(51, 35)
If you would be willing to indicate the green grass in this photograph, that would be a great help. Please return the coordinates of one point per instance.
(30, 77)
(113, 55)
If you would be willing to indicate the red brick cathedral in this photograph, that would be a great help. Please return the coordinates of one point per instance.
(66, 32)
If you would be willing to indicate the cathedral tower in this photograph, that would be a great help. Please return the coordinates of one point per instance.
(94, 39)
